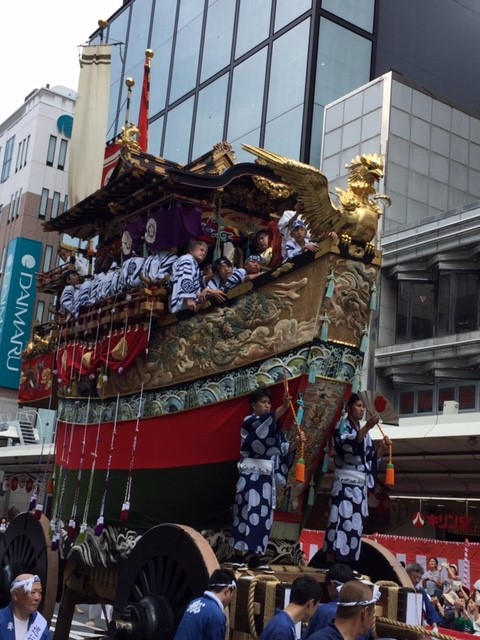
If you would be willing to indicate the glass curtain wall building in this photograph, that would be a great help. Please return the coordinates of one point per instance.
(250, 71)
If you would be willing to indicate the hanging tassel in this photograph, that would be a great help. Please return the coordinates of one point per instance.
(330, 285)
(364, 341)
(72, 528)
(33, 502)
(55, 542)
(343, 422)
(326, 459)
(390, 475)
(99, 527)
(356, 380)
(373, 297)
(38, 511)
(300, 470)
(125, 512)
(311, 493)
(324, 329)
(50, 486)
(312, 373)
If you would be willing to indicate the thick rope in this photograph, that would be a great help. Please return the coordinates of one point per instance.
(416, 628)
(251, 601)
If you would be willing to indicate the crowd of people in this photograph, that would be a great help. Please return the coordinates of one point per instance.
(189, 285)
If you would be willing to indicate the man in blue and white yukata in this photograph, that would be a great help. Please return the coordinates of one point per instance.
(356, 459)
(204, 617)
(20, 619)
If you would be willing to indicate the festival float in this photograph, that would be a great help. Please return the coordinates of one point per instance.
(149, 404)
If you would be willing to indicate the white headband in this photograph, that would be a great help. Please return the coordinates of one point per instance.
(363, 603)
(27, 584)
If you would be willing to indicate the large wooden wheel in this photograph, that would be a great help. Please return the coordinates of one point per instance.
(169, 566)
(375, 561)
(25, 548)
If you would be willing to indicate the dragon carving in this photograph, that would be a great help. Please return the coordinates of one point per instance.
(356, 217)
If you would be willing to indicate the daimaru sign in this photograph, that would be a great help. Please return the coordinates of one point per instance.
(17, 302)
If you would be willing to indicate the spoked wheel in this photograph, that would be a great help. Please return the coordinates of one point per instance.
(25, 548)
(169, 566)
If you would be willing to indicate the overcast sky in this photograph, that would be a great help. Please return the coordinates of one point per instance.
(39, 44)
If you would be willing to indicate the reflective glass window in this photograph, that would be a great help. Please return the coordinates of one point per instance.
(343, 64)
(210, 116)
(47, 258)
(287, 74)
(7, 159)
(138, 33)
(62, 154)
(42, 212)
(282, 135)
(177, 136)
(248, 87)
(40, 311)
(187, 47)
(425, 401)
(161, 43)
(155, 130)
(117, 32)
(55, 204)
(467, 396)
(253, 24)
(445, 394)
(358, 12)
(51, 150)
(288, 10)
(217, 44)
(253, 138)
(18, 164)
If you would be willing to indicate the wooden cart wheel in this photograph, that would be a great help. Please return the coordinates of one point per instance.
(376, 561)
(25, 548)
(169, 566)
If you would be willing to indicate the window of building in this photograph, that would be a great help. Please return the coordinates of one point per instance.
(177, 135)
(210, 116)
(4, 257)
(467, 397)
(162, 38)
(253, 24)
(407, 402)
(248, 81)
(47, 258)
(65, 203)
(425, 401)
(62, 154)
(7, 159)
(11, 208)
(187, 47)
(18, 199)
(357, 12)
(25, 150)
(52, 144)
(343, 64)
(42, 212)
(415, 311)
(40, 311)
(55, 204)
(445, 394)
(217, 43)
(18, 163)
(288, 10)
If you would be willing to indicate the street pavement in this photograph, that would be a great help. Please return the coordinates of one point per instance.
(79, 630)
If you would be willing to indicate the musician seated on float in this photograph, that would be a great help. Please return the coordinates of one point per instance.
(71, 281)
(131, 271)
(251, 269)
(222, 269)
(264, 250)
(299, 242)
(186, 278)
(158, 267)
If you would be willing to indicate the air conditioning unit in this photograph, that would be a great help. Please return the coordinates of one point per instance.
(450, 406)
